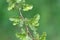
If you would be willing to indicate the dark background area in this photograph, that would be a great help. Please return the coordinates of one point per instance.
(49, 11)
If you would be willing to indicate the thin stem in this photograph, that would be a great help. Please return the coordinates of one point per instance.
(20, 13)
(29, 33)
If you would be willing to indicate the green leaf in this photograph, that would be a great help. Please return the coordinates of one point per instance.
(21, 36)
(8, 1)
(15, 23)
(27, 7)
(18, 1)
(43, 36)
(28, 38)
(36, 36)
(23, 31)
(21, 22)
(14, 19)
(11, 6)
(35, 20)
(37, 24)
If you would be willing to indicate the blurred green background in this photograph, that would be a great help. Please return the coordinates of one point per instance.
(49, 11)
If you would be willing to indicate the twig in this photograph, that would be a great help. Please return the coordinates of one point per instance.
(21, 13)
(29, 33)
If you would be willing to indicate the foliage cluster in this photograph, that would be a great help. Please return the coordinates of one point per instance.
(28, 27)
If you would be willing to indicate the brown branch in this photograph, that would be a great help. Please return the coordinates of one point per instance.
(29, 33)
(21, 13)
